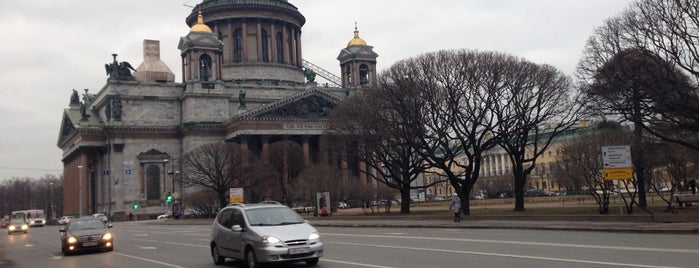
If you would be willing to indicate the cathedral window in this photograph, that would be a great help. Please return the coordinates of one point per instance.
(280, 47)
(205, 67)
(238, 45)
(265, 46)
(153, 179)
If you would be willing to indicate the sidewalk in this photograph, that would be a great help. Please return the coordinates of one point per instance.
(531, 224)
(627, 224)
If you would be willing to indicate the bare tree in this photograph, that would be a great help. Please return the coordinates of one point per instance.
(456, 115)
(536, 105)
(581, 160)
(378, 127)
(218, 167)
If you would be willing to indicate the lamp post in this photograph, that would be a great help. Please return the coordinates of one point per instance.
(53, 216)
(80, 190)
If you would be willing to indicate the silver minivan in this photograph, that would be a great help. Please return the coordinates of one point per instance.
(266, 232)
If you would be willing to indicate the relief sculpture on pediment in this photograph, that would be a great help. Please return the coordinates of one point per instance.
(313, 108)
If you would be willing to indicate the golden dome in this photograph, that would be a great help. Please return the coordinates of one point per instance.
(200, 26)
(356, 41)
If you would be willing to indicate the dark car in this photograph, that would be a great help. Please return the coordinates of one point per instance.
(86, 234)
(17, 225)
(4, 223)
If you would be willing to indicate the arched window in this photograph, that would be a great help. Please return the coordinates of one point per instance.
(153, 182)
(363, 74)
(348, 76)
(204, 67)
(265, 46)
(238, 45)
(280, 48)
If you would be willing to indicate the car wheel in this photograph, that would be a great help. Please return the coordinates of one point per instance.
(251, 259)
(218, 259)
(312, 262)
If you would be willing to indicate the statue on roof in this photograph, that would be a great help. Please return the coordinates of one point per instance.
(310, 75)
(119, 70)
(74, 98)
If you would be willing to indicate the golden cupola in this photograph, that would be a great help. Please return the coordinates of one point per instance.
(356, 41)
(200, 26)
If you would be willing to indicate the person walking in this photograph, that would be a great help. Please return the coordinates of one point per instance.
(455, 206)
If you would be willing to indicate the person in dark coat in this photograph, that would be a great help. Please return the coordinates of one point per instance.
(455, 206)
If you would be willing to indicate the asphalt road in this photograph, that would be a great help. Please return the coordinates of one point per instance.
(142, 245)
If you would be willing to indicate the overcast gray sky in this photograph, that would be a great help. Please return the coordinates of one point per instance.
(51, 47)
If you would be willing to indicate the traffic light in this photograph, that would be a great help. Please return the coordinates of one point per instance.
(169, 198)
(136, 206)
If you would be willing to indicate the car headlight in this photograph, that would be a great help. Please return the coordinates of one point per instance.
(25, 227)
(270, 239)
(107, 236)
(314, 236)
(72, 240)
(12, 227)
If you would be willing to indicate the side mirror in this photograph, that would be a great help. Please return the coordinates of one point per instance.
(110, 225)
(236, 228)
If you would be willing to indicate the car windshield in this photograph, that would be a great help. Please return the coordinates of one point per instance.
(272, 216)
(17, 221)
(83, 225)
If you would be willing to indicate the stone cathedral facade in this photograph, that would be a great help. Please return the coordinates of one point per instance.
(243, 81)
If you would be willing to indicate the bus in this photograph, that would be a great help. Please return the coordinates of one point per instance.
(32, 217)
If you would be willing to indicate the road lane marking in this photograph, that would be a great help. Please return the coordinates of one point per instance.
(147, 260)
(355, 263)
(548, 244)
(507, 255)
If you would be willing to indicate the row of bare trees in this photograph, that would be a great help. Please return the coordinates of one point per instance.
(441, 112)
(29, 193)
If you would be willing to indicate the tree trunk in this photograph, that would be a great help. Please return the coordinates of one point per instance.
(519, 191)
(404, 201)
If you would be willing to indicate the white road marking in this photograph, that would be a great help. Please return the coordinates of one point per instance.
(147, 260)
(548, 244)
(355, 263)
(507, 255)
(394, 233)
(147, 247)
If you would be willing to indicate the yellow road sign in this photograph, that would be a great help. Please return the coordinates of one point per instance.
(618, 173)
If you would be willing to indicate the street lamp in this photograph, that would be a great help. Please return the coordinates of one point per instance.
(53, 216)
(80, 190)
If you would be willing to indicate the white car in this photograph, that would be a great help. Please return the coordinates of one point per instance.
(166, 216)
(100, 216)
(65, 220)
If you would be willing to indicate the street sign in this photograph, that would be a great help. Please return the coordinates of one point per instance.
(618, 173)
(127, 171)
(616, 156)
(235, 195)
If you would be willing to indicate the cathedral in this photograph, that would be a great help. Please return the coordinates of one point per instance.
(244, 80)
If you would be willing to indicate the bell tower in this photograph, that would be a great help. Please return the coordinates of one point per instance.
(201, 52)
(357, 63)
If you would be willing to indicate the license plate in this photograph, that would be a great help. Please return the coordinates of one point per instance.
(294, 251)
(90, 244)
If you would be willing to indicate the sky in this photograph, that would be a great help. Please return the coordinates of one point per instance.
(51, 47)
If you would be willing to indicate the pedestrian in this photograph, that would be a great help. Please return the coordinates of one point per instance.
(456, 207)
(693, 186)
(130, 216)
